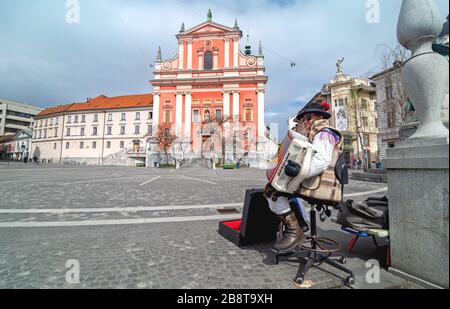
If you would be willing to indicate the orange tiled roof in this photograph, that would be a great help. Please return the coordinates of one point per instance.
(54, 110)
(104, 102)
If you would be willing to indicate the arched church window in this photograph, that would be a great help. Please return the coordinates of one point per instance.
(208, 60)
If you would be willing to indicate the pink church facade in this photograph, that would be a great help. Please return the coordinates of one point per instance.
(211, 95)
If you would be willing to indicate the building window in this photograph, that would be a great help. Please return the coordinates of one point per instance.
(248, 114)
(138, 116)
(391, 145)
(94, 131)
(67, 145)
(45, 133)
(69, 119)
(366, 140)
(167, 115)
(122, 144)
(391, 116)
(109, 131)
(341, 102)
(51, 121)
(56, 132)
(122, 130)
(96, 118)
(76, 119)
(196, 116)
(110, 117)
(208, 60)
(108, 145)
(123, 117)
(364, 104)
(389, 92)
(68, 132)
(81, 145)
(150, 130)
(82, 132)
(137, 129)
(218, 115)
(83, 118)
(56, 121)
(150, 115)
(365, 122)
(94, 145)
(46, 122)
(40, 134)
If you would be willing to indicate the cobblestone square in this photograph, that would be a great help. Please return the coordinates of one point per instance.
(148, 228)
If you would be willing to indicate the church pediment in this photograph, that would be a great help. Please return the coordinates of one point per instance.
(208, 27)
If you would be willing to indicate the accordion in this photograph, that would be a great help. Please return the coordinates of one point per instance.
(295, 149)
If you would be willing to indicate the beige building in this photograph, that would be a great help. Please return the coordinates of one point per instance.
(102, 131)
(15, 116)
(353, 108)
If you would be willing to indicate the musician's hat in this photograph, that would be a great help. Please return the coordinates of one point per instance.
(319, 108)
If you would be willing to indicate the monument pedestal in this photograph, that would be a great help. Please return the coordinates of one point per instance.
(418, 176)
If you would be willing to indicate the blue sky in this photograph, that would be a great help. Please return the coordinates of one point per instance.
(46, 61)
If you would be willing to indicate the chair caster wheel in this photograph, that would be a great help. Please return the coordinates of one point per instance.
(343, 260)
(350, 280)
(299, 281)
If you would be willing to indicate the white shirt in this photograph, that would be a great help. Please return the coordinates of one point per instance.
(324, 144)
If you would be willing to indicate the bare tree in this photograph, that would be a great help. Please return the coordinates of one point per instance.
(390, 55)
(218, 130)
(165, 139)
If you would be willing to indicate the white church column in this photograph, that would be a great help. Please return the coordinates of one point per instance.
(188, 116)
(236, 52)
(235, 103)
(181, 55)
(189, 60)
(227, 53)
(215, 59)
(261, 122)
(179, 113)
(156, 103)
(200, 60)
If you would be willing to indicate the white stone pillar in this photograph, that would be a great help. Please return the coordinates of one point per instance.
(227, 53)
(236, 52)
(188, 116)
(179, 113)
(156, 104)
(189, 60)
(418, 168)
(181, 55)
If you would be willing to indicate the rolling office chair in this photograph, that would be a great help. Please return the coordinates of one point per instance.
(317, 250)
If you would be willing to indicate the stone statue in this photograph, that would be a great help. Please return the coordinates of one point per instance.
(339, 65)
